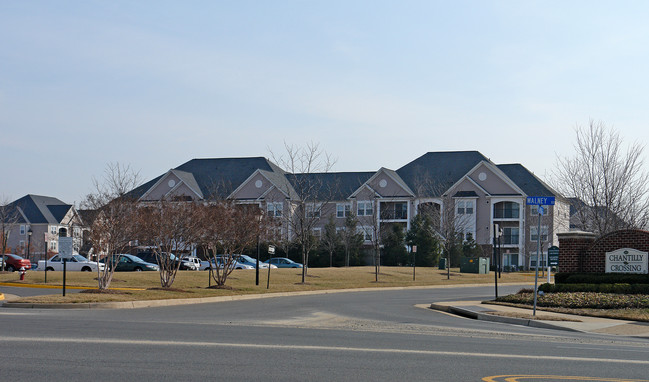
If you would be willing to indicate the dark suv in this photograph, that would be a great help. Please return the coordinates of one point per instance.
(151, 257)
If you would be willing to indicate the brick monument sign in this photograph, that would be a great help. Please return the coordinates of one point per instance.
(625, 251)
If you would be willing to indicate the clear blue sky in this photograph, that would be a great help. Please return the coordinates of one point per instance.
(154, 84)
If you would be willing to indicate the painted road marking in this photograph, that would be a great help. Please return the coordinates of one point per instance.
(520, 378)
(116, 341)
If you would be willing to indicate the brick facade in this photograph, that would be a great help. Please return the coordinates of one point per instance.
(583, 252)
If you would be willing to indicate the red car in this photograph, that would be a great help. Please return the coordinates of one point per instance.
(15, 262)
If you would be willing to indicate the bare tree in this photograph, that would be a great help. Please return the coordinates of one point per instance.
(112, 229)
(9, 216)
(373, 231)
(607, 179)
(226, 229)
(309, 190)
(169, 228)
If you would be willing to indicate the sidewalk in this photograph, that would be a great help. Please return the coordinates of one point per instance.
(547, 320)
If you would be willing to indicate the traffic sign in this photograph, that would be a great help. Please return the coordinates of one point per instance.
(553, 256)
(540, 200)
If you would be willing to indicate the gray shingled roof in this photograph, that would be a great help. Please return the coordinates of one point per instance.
(527, 181)
(41, 209)
(433, 173)
(217, 177)
(331, 185)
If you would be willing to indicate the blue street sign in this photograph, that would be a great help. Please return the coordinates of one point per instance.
(540, 200)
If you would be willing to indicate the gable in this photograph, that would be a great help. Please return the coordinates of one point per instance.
(253, 188)
(433, 173)
(173, 184)
(492, 181)
(384, 183)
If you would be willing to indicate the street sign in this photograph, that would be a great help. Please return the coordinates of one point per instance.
(540, 200)
(553, 256)
(271, 249)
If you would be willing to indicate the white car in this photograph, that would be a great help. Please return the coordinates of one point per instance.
(191, 262)
(73, 263)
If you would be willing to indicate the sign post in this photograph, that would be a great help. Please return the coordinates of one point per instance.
(271, 251)
(538, 201)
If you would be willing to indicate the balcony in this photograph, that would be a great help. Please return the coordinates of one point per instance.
(394, 211)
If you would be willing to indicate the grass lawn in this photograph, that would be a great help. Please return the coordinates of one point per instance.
(129, 286)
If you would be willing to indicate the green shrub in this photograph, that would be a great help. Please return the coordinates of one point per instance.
(581, 300)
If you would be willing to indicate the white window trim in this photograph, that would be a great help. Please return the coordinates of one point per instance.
(313, 209)
(273, 207)
(366, 232)
(346, 210)
(544, 232)
(364, 203)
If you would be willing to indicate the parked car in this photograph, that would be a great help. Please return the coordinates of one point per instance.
(152, 258)
(205, 265)
(15, 262)
(128, 263)
(191, 262)
(283, 262)
(74, 263)
(245, 259)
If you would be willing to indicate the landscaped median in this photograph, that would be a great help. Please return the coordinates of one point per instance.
(608, 305)
(145, 286)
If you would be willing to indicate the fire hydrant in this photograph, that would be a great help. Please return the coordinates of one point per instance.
(22, 273)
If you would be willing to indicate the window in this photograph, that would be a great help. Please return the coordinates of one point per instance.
(317, 233)
(312, 211)
(401, 210)
(52, 245)
(464, 207)
(343, 210)
(365, 209)
(53, 230)
(366, 232)
(510, 235)
(506, 210)
(22, 230)
(275, 209)
(544, 233)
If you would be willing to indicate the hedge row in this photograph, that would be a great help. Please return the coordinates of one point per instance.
(600, 278)
(618, 288)
(581, 300)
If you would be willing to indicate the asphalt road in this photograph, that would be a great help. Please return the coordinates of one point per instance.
(360, 336)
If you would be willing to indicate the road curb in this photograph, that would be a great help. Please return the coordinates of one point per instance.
(465, 312)
(204, 300)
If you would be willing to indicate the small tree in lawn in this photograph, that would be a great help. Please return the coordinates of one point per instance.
(170, 228)
(310, 193)
(113, 227)
(228, 229)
